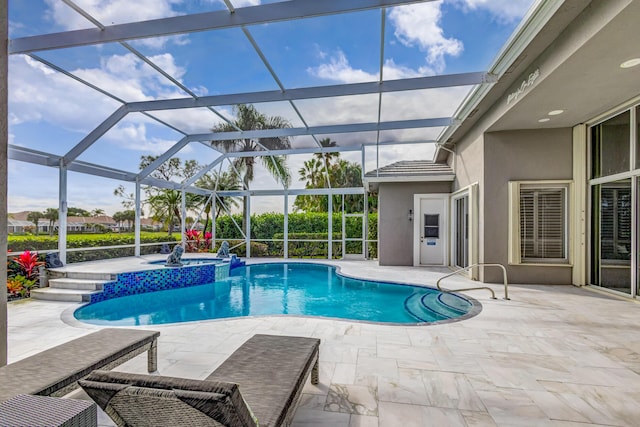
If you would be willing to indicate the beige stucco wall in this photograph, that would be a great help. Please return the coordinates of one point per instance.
(469, 167)
(544, 154)
(395, 231)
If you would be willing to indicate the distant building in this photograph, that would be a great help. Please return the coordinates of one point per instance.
(18, 223)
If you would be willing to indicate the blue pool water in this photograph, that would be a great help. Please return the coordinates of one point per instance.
(277, 289)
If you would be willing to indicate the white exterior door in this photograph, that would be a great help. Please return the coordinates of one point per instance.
(430, 229)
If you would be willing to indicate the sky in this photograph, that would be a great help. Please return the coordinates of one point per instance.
(50, 112)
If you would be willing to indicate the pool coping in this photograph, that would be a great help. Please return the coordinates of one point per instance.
(67, 316)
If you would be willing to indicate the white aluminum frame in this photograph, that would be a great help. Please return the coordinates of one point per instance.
(242, 18)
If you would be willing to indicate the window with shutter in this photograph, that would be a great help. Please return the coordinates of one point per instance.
(543, 224)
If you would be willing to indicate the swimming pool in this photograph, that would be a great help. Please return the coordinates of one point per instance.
(283, 289)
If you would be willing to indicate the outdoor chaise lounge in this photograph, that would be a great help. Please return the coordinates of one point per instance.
(55, 372)
(259, 384)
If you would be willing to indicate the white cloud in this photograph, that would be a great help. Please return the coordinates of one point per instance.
(192, 120)
(130, 79)
(339, 69)
(236, 3)
(133, 136)
(38, 94)
(159, 43)
(389, 154)
(113, 12)
(503, 10)
(425, 103)
(245, 3)
(419, 25)
(110, 12)
(393, 71)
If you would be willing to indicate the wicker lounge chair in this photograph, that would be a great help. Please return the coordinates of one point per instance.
(259, 384)
(55, 372)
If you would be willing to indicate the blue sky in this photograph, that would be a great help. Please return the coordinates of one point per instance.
(50, 112)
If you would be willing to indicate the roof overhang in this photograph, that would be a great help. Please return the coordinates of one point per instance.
(574, 62)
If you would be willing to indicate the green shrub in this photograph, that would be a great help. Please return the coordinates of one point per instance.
(43, 243)
(307, 245)
(302, 226)
(257, 249)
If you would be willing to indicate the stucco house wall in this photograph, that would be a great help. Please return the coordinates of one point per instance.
(522, 155)
(395, 231)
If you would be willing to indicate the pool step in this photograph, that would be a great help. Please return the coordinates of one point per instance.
(432, 305)
(75, 287)
(80, 284)
(66, 295)
(105, 277)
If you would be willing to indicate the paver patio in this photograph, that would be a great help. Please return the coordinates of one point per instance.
(552, 356)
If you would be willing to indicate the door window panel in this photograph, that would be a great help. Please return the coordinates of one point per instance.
(610, 146)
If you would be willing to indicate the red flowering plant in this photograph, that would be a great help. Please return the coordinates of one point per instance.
(29, 264)
(193, 240)
(207, 241)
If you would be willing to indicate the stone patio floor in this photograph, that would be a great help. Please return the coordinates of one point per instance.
(551, 356)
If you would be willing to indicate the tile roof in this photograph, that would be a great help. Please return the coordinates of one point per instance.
(411, 168)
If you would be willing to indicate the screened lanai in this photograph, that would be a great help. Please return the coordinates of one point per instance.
(95, 85)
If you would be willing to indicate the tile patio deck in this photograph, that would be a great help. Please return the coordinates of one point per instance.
(552, 356)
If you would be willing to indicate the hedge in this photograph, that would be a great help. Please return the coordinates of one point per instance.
(264, 226)
(302, 226)
(42, 243)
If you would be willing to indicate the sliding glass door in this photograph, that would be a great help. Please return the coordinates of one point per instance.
(615, 179)
(460, 231)
(612, 211)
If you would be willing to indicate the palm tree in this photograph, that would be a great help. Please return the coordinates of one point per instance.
(118, 217)
(313, 172)
(52, 215)
(249, 118)
(130, 216)
(166, 207)
(226, 181)
(34, 217)
(348, 174)
(327, 158)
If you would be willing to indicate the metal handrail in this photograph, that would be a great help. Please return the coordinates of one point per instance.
(493, 294)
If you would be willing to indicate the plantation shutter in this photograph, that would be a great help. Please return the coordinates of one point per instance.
(543, 223)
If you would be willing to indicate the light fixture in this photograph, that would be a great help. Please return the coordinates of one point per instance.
(410, 216)
(555, 112)
(630, 63)
(545, 119)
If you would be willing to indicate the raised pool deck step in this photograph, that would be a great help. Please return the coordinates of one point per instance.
(56, 294)
(82, 284)
(83, 275)
(72, 286)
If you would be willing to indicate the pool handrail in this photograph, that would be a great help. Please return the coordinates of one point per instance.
(459, 271)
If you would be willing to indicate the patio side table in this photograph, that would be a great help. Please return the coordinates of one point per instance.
(44, 411)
